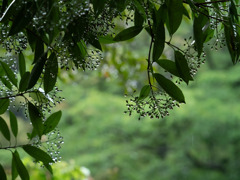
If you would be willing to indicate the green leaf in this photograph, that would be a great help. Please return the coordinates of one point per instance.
(40, 96)
(145, 91)
(2, 173)
(78, 54)
(36, 119)
(23, 17)
(4, 129)
(11, 76)
(98, 6)
(4, 103)
(93, 40)
(175, 12)
(39, 51)
(14, 170)
(50, 75)
(4, 6)
(106, 39)
(233, 11)
(37, 71)
(128, 33)
(140, 8)
(13, 123)
(138, 18)
(21, 169)
(159, 41)
(6, 82)
(169, 66)
(31, 39)
(38, 154)
(23, 85)
(52, 121)
(49, 168)
(21, 64)
(198, 24)
(170, 88)
(182, 67)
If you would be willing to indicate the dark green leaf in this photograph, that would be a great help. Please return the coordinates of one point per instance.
(4, 103)
(36, 118)
(4, 129)
(50, 75)
(93, 40)
(159, 41)
(138, 18)
(23, 17)
(145, 91)
(38, 154)
(51, 122)
(128, 33)
(2, 173)
(13, 123)
(21, 169)
(140, 8)
(169, 66)
(182, 67)
(37, 71)
(14, 170)
(78, 52)
(175, 12)
(4, 6)
(31, 39)
(23, 85)
(233, 11)
(39, 51)
(98, 6)
(11, 76)
(198, 24)
(49, 168)
(6, 82)
(40, 96)
(170, 88)
(21, 64)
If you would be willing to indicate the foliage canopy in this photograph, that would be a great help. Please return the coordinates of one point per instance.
(70, 34)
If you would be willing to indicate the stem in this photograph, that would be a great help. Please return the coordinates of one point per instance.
(16, 95)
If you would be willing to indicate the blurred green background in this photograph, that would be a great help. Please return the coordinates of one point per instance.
(199, 140)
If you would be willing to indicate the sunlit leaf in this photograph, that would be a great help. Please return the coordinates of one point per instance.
(36, 118)
(50, 75)
(38, 154)
(52, 121)
(21, 64)
(128, 33)
(170, 88)
(3, 175)
(11, 76)
(145, 91)
(4, 103)
(13, 123)
(4, 129)
(21, 169)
